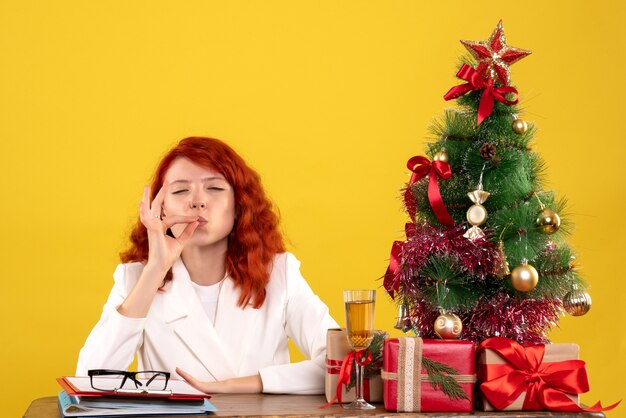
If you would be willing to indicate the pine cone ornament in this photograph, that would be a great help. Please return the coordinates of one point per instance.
(488, 151)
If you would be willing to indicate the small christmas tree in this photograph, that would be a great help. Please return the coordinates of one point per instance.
(484, 253)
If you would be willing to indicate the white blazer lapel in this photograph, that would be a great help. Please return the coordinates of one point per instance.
(183, 310)
(234, 325)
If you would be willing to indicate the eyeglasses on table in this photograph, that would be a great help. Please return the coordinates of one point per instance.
(122, 381)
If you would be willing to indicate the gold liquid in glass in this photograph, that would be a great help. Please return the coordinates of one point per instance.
(360, 323)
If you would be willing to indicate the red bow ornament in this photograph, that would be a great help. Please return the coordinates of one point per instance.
(475, 81)
(391, 282)
(421, 167)
(546, 384)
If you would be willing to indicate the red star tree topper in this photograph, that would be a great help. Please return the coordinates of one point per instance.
(494, 56)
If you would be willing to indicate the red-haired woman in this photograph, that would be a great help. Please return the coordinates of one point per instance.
(206, 289)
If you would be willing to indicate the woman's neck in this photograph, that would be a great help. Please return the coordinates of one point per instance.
(206, 265)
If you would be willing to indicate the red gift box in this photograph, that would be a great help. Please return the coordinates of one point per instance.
(531, 378)
(407, 386)
(492, 366)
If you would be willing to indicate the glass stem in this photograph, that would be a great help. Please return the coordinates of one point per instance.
(359, 382)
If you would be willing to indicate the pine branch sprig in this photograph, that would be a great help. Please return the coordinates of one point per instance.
(441, 377)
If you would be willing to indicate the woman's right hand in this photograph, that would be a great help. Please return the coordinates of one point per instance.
(163, 249)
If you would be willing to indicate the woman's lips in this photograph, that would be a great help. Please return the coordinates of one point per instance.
(202, 221)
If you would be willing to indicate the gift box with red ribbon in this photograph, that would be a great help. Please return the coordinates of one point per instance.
(532, 378)
(428, 375)
(338, 349)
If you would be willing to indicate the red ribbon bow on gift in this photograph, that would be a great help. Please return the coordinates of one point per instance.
(421, 166)
(361, 357)
(546, 384)
(475, 81)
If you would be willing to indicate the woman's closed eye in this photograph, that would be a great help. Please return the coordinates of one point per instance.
(180, 191)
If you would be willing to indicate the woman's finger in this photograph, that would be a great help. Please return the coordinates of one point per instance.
(157, 203)
(201, 386)
(189, 229)
(170, 221)
(144, 206)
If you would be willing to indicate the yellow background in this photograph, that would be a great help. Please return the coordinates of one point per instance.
(326, 99)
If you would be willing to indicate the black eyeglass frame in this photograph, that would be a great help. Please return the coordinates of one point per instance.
(133, 377)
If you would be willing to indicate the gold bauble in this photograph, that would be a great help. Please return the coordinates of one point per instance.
(448, 326)
(577, 302)
(548, 220)
(441, 156)
(520, 126)
(476, 215)
(524, 277)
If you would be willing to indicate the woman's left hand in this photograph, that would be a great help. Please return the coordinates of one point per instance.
(206, 387)
(248, 384)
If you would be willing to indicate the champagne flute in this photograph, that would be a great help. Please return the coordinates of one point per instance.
(360, 326)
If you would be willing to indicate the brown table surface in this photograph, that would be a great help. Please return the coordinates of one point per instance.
(303, 406)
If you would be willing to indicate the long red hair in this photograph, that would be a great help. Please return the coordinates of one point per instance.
(255, 237)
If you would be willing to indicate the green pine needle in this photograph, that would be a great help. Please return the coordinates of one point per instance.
(441, 378)
(445, 284)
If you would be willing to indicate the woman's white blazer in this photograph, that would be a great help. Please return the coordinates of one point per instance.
(242, 342)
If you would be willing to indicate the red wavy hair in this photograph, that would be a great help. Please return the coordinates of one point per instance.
(255, 237)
